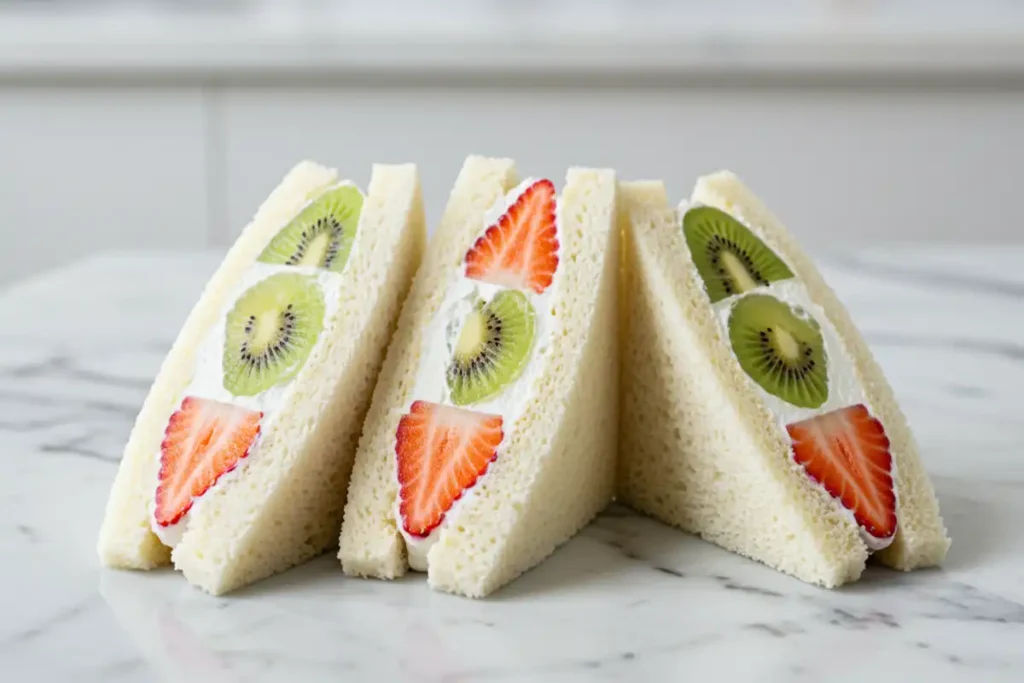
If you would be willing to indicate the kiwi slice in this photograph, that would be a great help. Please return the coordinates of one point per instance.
(780, 350)
(729, 258)
(270, 331)
(321, 235)
(492, 347)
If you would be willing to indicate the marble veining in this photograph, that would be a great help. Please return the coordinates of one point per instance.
(627, 599)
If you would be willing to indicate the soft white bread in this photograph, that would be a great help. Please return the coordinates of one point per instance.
(556, 470)
(921, 539)
(285, 505)
(699, 448)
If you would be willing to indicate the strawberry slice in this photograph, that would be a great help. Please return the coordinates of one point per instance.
(521, 249)
(847, 452)
(204, 439)
(442, 451)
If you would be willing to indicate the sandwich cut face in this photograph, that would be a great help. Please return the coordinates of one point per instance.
(247, 364)
(490, 441)
(752, 410)
(485, 350)
(238, 463)
(799, 366)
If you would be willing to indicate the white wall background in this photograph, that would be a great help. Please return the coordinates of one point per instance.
(157, 134)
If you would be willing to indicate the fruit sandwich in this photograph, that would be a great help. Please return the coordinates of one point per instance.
(753, 412)
(491, 436)
(238, 462)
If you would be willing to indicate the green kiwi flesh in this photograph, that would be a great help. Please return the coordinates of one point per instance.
(728, 256)
(780, 350)
(270, 332)
(492, 349)
(321, 235)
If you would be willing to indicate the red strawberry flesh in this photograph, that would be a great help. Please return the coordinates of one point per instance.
(848, 453)
(442, 452)
(204, 440)
(521, 249)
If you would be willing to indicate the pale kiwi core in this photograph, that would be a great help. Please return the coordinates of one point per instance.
(266, 328)
(317, 251)
(738, 272)
(787, 345)
(473, 334)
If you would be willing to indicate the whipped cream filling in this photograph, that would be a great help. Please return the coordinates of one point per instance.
(844, 386)
(208, 376)
(440, 339)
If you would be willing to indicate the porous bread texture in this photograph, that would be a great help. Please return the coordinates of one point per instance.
(921, 537)
(285, 504)
(370, 543)
(556, 471)
(125, 538)
(631, 198)
(699, 448)
(289, 506)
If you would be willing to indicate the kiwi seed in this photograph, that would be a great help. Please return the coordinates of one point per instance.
(322, 234)
(729, 258)
(493, 347)
(270, 332)
(780, 350)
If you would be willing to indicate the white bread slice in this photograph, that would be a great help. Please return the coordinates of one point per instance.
(285, 505)
(699, 449)
(556, 470)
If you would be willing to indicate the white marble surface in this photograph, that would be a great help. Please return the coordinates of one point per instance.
(628, 599)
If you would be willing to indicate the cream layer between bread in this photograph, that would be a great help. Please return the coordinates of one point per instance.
(208, 374)
(708, 464)
(921, 538)
(556, 471)
(288, 508)
(440, 339)
(844, 386)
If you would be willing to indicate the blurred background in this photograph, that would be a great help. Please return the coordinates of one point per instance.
(163, 125)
